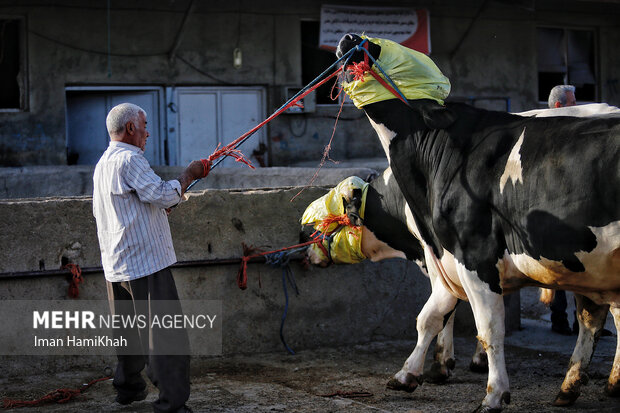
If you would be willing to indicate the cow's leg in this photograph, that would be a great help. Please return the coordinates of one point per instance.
(479, 362)
(591, 317)
(444, 363)
(613, 385)
(488, 309)
(430, 323)
(442, 366)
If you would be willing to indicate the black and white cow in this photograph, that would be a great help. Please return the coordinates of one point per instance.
(385, 235)
(499, 202)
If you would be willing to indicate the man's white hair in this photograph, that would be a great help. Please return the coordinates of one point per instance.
(119, 115)
(558, 94)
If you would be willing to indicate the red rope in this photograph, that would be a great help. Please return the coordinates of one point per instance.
(325, 151)
(249, 252)
(359, 70)
(76, 278)
(57, 396)
(330, 219)
(206, 164)
(242, 274)
(229, 150)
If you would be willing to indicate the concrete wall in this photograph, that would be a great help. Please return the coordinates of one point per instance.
(339, 305)
(77, 180)
(67, 45)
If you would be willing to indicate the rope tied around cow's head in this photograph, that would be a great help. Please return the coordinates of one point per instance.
(318, 237)
(342, 221)
(359, 70)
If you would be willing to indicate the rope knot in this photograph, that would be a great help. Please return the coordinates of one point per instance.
(228, 150)
(341, 220)
(206, 164)
(242, 275)
(358, 70)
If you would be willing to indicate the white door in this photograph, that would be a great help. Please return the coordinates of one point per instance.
(87, 135)
(198, 125)
(210, 116)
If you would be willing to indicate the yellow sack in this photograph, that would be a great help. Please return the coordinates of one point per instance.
(345, 247)
(415, 74)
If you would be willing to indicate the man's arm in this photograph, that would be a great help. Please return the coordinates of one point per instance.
(195, 170)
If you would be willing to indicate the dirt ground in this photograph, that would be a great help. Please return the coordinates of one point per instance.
(306, 382)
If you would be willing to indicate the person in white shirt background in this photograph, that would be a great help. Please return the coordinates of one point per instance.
(562, 96)
(131, 205)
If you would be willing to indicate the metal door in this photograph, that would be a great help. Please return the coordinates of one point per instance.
(87, 135)
(209, 116)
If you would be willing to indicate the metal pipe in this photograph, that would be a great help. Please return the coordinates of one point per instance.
(92, 270)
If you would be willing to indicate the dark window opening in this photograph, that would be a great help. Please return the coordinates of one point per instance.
(566, 56)
(10, 59)
(315, 60)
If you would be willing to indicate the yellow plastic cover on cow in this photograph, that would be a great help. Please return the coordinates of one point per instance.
(346, 243)
(415, 74)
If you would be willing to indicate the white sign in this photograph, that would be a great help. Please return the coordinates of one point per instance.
(406, 26)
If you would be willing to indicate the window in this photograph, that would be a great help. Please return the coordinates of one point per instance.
(12, 65)
(566, 56)
(315, 60)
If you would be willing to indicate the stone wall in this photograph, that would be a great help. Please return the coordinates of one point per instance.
(339, 305)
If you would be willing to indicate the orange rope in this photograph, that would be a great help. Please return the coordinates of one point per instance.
(330, 219)
(249, 252)
(58, 396)
(76, 278)
(242, 274)
(325, 151)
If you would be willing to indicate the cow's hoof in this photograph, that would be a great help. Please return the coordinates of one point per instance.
(438, 373)
(487, 409)
(612, 390)
(479, 367)
(411, 383)
(564, 399)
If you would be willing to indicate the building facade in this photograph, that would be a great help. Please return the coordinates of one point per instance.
(208, 71)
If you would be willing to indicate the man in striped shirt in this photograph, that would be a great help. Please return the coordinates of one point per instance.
(130, 205)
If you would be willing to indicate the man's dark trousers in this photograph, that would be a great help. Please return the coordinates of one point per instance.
(169, 373)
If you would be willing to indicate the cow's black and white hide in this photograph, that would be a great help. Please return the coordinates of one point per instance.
(511, 202)
(386, 234)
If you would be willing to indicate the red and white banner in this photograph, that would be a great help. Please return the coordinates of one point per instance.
(406, 26)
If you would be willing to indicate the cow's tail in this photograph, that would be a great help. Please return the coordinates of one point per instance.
(546, 296)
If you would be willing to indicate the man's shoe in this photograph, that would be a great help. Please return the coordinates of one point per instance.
(136, 397)
(565, 330)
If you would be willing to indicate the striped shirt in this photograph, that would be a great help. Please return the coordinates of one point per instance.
(129, 202)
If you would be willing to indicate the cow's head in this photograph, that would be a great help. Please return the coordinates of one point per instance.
(355, 241)
(337, 216)
(348, 42)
